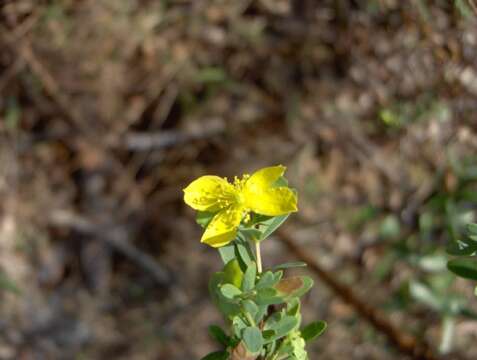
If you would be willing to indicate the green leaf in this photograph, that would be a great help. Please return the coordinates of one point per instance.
(227, 252)
(262, 312)
(218, 334)
(313, 330)
(289, 265)
(248, 282)
(203, 218)
(244, 254)
(277, 276)
(250, 234)
(238, 249)
(267, 227)
(462, 247)
(268, 296)
(252, 337)
(268, 335)
(267, 280)
(218, 355)
(293, 307)
(233, 273)
(228, 309)
(258, 218)
(250, 307)
(464, 267)
(282, 325)
(229, 291)
(238, 325)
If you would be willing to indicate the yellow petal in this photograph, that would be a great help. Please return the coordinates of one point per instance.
(272, 201)
(264, 178)
(261, 198)
(223, 227)
(209, 193)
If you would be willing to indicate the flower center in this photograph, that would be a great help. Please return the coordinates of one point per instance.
(239, 185)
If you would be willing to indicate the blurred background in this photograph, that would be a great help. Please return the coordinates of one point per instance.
(108, 109)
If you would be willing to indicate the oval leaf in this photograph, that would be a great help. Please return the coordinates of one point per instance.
(248, 282)
(269, 226)
(218, 334)
(250, 307)
(229, 291)
(281, 326)
(313, 330)
(267, 279)
(233, 273)
(462, 247)
(244, 254)
(253, 339)
(464, 267)
(227, 252)
(268, 296)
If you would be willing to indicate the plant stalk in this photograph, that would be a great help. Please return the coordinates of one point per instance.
(258, 255)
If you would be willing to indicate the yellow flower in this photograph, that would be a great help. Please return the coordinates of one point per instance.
(232, 202)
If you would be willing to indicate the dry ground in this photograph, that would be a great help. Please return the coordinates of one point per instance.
(109, 108)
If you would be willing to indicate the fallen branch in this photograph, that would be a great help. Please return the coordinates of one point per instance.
(116, 238)
(403, 342)
(136, 141)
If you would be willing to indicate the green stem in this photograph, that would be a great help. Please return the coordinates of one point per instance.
(258, 256)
